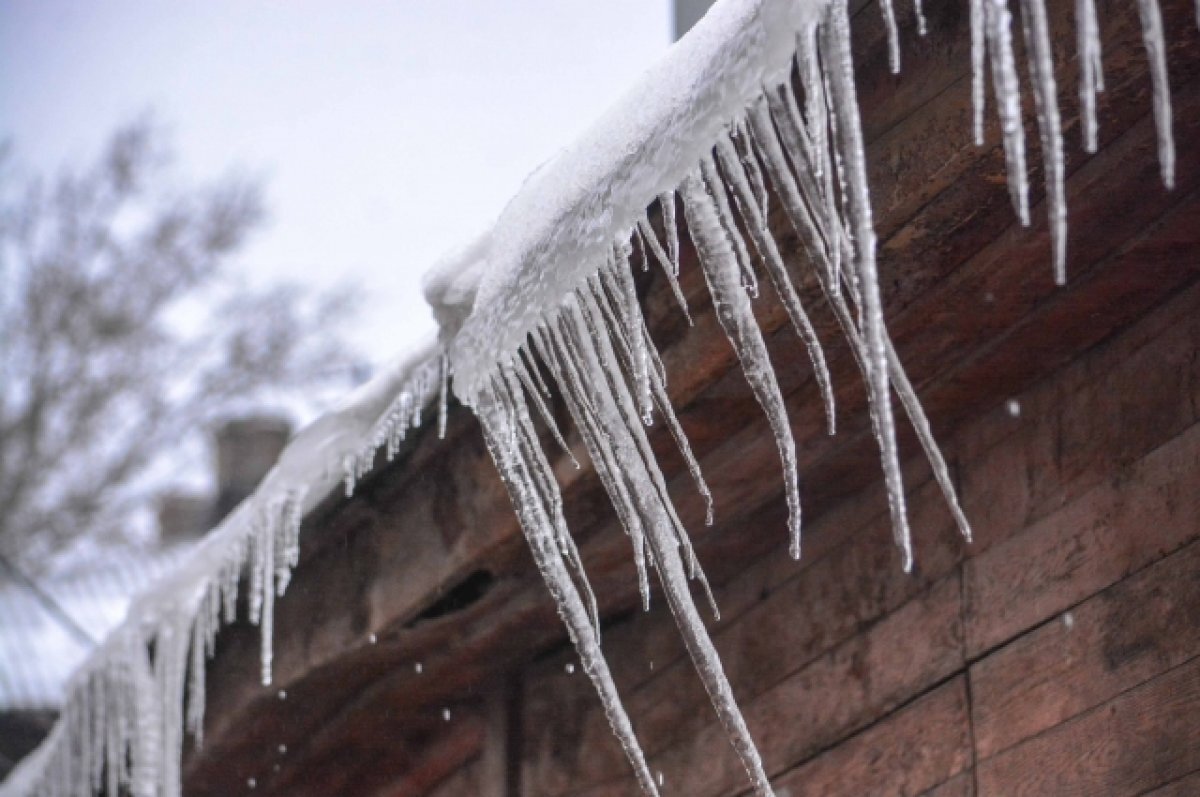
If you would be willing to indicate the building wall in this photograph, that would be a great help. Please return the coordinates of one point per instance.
(1057, 654)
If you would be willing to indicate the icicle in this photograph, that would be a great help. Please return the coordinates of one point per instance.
(267, 628)
(1156, 52)
(586, 316)
(922, 24)
(1045, 95)
(666, 203)
(717, 190)
(196, 682)
(514, 472)
(737, 319)
(998, 26)
(664, 543)
(1091, 70)
(522, 372)
(668, 266)
(837, 40)
(510, 393)
(443, 389)
(893, 34)
(605, 300)
(532, 370)
(631, 318)
(978, 77)
(768, 252)
(550, 346)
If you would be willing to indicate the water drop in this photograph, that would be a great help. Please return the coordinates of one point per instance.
(445, 715)
(251, 783)
(282, 694)
(570, 668)
(283, 749)
(1014, 408)
(1068, 620)
(372, 639)
(418, 668)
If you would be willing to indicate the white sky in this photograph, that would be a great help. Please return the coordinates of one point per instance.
(389, 132)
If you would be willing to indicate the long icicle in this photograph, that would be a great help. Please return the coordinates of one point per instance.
(837, 41)
(1091, 70)
(737, 319)
(618, 416)
(515, 474)
(978, 76)
(549, 343)
(998, 29)
(768, 251)
(590, 316)
(605, 300)
(1156, 52)
(1045, 96)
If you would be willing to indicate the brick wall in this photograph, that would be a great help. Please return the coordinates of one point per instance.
(1058, 654)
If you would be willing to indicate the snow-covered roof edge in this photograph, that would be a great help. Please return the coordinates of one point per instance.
(559, 228)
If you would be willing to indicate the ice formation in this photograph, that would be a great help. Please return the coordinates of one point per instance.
(756, 105)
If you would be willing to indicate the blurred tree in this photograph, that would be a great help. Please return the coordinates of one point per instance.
(123, 330)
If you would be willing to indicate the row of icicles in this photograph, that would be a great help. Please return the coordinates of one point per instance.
(809, 155)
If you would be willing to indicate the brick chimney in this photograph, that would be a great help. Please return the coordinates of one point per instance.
(246, 449)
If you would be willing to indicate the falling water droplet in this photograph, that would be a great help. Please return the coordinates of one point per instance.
(418, 668)
(282, 694)
(1068, 620)
(570, 668)
(372, 639)
(445, 715)
(251, 783)
(1014, 408)
(283, 749)
(659, 777)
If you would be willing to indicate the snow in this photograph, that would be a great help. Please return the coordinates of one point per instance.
(549, 291)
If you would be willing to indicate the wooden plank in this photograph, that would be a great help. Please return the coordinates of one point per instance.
(1114, 530)
(909, 752)
(827, 701)
(1187, 786)
(1124, 636)
(1140, 740)
(961, 785)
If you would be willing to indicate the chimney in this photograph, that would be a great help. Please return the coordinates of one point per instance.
(246, 449)
(182, 517)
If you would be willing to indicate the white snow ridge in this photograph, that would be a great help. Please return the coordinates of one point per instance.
(714, 131)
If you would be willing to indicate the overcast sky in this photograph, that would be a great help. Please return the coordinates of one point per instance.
(388, 132)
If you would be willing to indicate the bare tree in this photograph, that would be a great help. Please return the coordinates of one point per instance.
(124, 329)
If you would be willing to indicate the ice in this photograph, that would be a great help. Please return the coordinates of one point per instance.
(1156, 52)
(669, 263)
(841, 73)
(514, 460)
(893, 35)
(1091, 68)
(998, 29)
(1045, 96)
(616, 417)
(768, 252)
(978, 54)
(737, 319)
